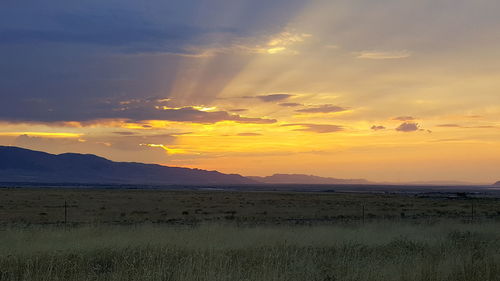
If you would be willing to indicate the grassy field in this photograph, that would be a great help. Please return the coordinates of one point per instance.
(122, 206)
(118, 234)
(375, 251)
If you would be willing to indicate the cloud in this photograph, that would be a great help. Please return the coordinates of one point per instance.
(130, 110)
(290, 104)
(449, 126)
(255, 120)
(119, 142)
(125, 133)
(380, 55)
(249, 134)
(404, 118)
(119, 28)
(286, 38)
(168, 150)
(448, 140)
(466, 127)
(29, 140)
(327, 108)
(51, 135)
(408, 127)
(378, 128)
(484, 127)
(190, 114)
(281, 42)
(238, 110)
(316, 128)
(274, 97)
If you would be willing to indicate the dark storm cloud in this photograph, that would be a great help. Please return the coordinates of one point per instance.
(117, 29)
(69, 61)
(316, 128)
(274, 97)
(167, 26)
(408, 127)
(135, 39)
(327, 108)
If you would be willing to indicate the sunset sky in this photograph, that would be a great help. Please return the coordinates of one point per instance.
(387, 90)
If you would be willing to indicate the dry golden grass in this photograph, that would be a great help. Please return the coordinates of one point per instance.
(122, 206)
(377, 251)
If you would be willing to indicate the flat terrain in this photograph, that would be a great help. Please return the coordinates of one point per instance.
(131, 206)
(214, 235)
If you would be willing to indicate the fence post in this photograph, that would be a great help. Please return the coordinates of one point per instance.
(65, 212)
(472, 211)
(363, 214)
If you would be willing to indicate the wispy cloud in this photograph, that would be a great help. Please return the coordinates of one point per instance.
(290, 104)
(404, 118)
(168, 150)
(378, 127)
(42, 134)
(281, 43)
(238, 110)
(466, 127)
(327, 108)
(316, 128)
(383, 55)
(274, 97)
(249, 134)
(449, 126)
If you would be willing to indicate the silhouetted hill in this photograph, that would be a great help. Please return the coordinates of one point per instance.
(23, 165)
(497, 183)
(305, 179)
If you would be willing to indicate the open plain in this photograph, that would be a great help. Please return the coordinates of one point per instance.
(158, 234)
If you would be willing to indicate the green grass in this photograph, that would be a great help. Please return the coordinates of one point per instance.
(375, 251)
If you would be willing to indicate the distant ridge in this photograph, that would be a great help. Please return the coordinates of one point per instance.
(29, 166)
(442, 183)
(497, 183)
(305, 179)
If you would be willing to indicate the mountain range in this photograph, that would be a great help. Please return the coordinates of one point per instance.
(28, 166)
(305, 179)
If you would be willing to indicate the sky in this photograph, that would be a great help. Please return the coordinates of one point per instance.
(387, 90)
